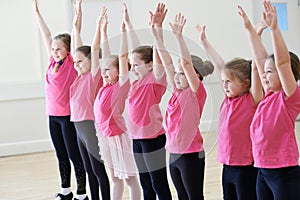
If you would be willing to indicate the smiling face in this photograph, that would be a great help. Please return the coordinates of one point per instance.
(233, 86)
(81, 63)
(110, 72)
(138, 66)
(58, 50)
(270, 77)
(180, 80)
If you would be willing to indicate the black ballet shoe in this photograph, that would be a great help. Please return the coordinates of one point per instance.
(64, 197)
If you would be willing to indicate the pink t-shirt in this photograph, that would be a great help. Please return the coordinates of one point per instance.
(109, 107)
(58, 86)
(234, 142)
(182, 120)
(145, 118)
(82, 93)
(273, 131)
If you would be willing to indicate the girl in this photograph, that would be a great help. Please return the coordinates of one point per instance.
(83, 92)
(145, 121)
(115, 145)
(242, 92)
(234, 143)
(275, 149)
(59, 77)
(184, 141)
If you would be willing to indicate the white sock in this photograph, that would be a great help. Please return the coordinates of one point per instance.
(65, 191)
(80, 196)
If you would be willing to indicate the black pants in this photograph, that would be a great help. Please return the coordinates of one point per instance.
(278, 184)
(187, 173)
(239, 182)
(64, 138)
(150, 158)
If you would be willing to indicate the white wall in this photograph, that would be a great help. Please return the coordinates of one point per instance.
(23, 119)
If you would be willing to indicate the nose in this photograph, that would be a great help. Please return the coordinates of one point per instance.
(176, 76)
(76, 65)
(225, 84)
(132, 68)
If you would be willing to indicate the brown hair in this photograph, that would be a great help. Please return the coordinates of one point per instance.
(145, 53)
(239, 68)
(114, 60)
(295, 64)
(86, 50)
(202, 68)
(65, 38)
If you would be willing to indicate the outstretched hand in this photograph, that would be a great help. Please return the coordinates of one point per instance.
(270, 15)
(78, 14)
(245, 18)
(178, 24)
(202, 33)
(260, 27)
(126, 19)
(35, 6)
(157, 18)
(103, 19)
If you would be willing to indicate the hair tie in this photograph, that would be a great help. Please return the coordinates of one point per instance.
(60, 62)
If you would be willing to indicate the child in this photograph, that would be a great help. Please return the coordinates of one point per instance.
(275, 149)
(184, 141)
(115, 145)
(82, 93)
(145, 121)
(59, 77)
(242, 93)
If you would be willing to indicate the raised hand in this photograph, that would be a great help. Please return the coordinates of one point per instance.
(245, 18)
(178, 24)
(103, 19)
(202, 34)
(78, 14)
(260, 27)
(35, 6)
(126, 19)
(270, 15)
(157, 18)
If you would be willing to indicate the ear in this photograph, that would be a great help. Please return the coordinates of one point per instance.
(149, 66)
(247, 83)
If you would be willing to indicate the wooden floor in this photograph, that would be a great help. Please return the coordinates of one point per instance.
(35, 176)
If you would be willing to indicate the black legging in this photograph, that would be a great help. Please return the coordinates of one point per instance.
(64, 139)
(187, 173)
(150, 158)
(89, 149)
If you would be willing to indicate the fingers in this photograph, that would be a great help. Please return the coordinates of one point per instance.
(241, 12)
(179, 18)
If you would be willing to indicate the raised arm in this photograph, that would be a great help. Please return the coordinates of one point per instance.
(281, 53)
(185, 56)
(258, 50)
(134, 41)
(156, 21)
(76, 40)
(256, 83)
(210, 51)
(123, 55)
(95, 48)
(45, 31)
